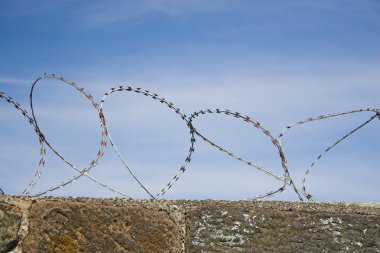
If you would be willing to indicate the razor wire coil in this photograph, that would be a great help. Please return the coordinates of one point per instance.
(106, 136)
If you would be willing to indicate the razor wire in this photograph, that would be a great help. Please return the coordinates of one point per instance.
(30, 120)
(330, 147)
(103, 143)
(171, 106)
(285, 179)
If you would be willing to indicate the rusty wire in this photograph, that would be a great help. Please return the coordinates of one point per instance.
(103, 143)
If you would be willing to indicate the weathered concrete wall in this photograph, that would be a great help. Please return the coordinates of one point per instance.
(120, 225)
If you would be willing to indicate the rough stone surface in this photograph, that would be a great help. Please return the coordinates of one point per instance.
(89, 227)
(122, 225)
(280, 227)
(10, 220)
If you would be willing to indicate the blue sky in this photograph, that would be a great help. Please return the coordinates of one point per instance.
(276, 61)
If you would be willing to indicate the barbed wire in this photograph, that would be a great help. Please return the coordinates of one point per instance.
(106, 136)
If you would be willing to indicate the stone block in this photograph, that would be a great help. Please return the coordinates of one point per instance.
(281, 227)
(10, 221)
(75, 226)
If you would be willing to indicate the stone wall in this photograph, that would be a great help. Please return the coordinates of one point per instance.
(29, 224)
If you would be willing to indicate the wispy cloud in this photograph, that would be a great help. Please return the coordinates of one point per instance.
(103, 13)
(13, 81)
